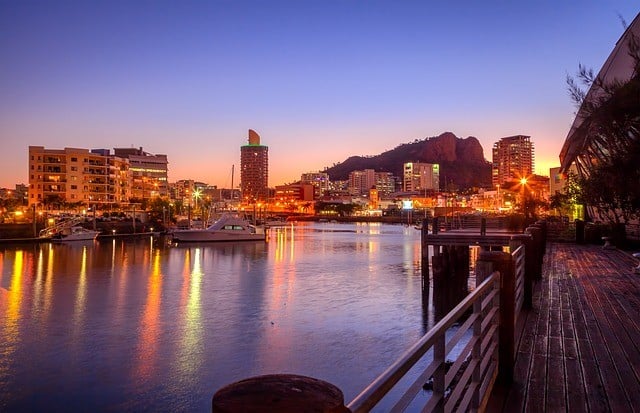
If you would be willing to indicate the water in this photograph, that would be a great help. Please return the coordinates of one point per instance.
(143, 326)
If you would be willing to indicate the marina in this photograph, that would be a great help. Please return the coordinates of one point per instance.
(139, 324)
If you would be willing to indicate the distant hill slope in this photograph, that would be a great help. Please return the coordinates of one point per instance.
(461, 161)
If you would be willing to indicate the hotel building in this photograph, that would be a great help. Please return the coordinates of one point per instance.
(513, 159)
(254, 169)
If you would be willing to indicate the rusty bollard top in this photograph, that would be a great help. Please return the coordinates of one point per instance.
(279, 393)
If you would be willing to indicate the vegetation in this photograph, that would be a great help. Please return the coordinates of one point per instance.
(610, 177)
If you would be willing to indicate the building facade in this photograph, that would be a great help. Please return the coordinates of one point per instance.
(78, 175)
(320, 181)
(254, 169)
(513, 159)
(420, 176)
(148, 173)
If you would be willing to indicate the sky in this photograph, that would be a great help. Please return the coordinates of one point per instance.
(318, 80)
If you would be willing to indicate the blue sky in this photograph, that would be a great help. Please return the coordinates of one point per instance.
(318, 80)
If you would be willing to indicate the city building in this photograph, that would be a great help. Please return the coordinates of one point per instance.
(360, 182)
(420, 177)
(148, 173)
(294, 193)
(76, 175)
(320, 180)
(254, 169)
(385, 184)
(513, 159)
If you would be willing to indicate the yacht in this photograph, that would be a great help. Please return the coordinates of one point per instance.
(229, 228)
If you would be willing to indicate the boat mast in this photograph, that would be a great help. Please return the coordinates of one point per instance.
(232, 172)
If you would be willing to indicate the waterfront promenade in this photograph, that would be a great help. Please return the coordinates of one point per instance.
(580, 345)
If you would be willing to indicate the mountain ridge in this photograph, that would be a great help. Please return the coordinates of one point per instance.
(461, 160)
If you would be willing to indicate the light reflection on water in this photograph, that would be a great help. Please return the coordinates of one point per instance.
(140, 325)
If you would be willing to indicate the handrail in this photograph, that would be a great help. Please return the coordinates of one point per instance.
(518, 257)
(375, 391)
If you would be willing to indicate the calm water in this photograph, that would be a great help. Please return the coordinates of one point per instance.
(143, 326)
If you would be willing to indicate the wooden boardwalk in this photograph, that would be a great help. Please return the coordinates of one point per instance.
(580, 345)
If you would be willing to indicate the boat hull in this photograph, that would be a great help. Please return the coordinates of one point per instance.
(217, 236)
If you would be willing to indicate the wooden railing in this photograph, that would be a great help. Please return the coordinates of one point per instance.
(518, 258)
(465, 382)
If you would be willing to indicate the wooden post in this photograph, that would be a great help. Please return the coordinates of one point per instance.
(501, 261)
(483, 226)
(279, 393)
(35, 224)
(425, 260)
(436, 226)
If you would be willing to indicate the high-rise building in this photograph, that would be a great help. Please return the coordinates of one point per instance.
(254, 169)
(420, 176)
(76, 175)
(513, 159)
(148, 173)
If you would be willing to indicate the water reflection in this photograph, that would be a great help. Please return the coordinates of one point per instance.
(141, 325)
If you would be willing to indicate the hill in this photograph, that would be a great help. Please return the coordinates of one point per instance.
(462, 162)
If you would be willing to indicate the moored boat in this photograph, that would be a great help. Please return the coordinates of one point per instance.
(228, 227)
(75, 233)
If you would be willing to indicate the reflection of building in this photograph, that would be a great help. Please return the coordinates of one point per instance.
(419, 176)
(512, 159)
(148, 173)
(254, 169)
(77, 175)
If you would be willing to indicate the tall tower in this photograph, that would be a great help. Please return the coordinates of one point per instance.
(512, 159)
(254, 169)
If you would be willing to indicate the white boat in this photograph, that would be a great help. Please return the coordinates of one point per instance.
(69, 230)
(227, 228)
(75, 233)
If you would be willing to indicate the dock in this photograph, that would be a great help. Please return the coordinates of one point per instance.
(580, 346)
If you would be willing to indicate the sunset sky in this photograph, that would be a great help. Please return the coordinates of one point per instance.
(318, 80)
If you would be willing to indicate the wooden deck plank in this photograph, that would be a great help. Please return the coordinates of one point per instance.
(580, 347)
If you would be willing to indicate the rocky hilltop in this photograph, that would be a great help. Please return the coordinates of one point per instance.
(462, 162)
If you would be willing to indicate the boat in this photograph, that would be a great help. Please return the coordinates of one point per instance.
(69, 230)
(229, 227)
(75, 233)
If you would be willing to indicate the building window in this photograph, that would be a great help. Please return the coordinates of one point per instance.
(74, 159)
(74, 168)
(74, 186)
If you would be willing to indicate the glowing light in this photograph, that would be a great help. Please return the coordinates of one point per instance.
(523, 181)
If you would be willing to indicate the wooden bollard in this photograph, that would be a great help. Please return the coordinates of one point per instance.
(279, 393)
(489, 261)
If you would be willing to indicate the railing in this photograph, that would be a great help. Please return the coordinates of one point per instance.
(60, 226)
(468, 381)
(518, 257)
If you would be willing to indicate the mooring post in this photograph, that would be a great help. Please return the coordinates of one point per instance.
(286, 393)
(502, 262)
